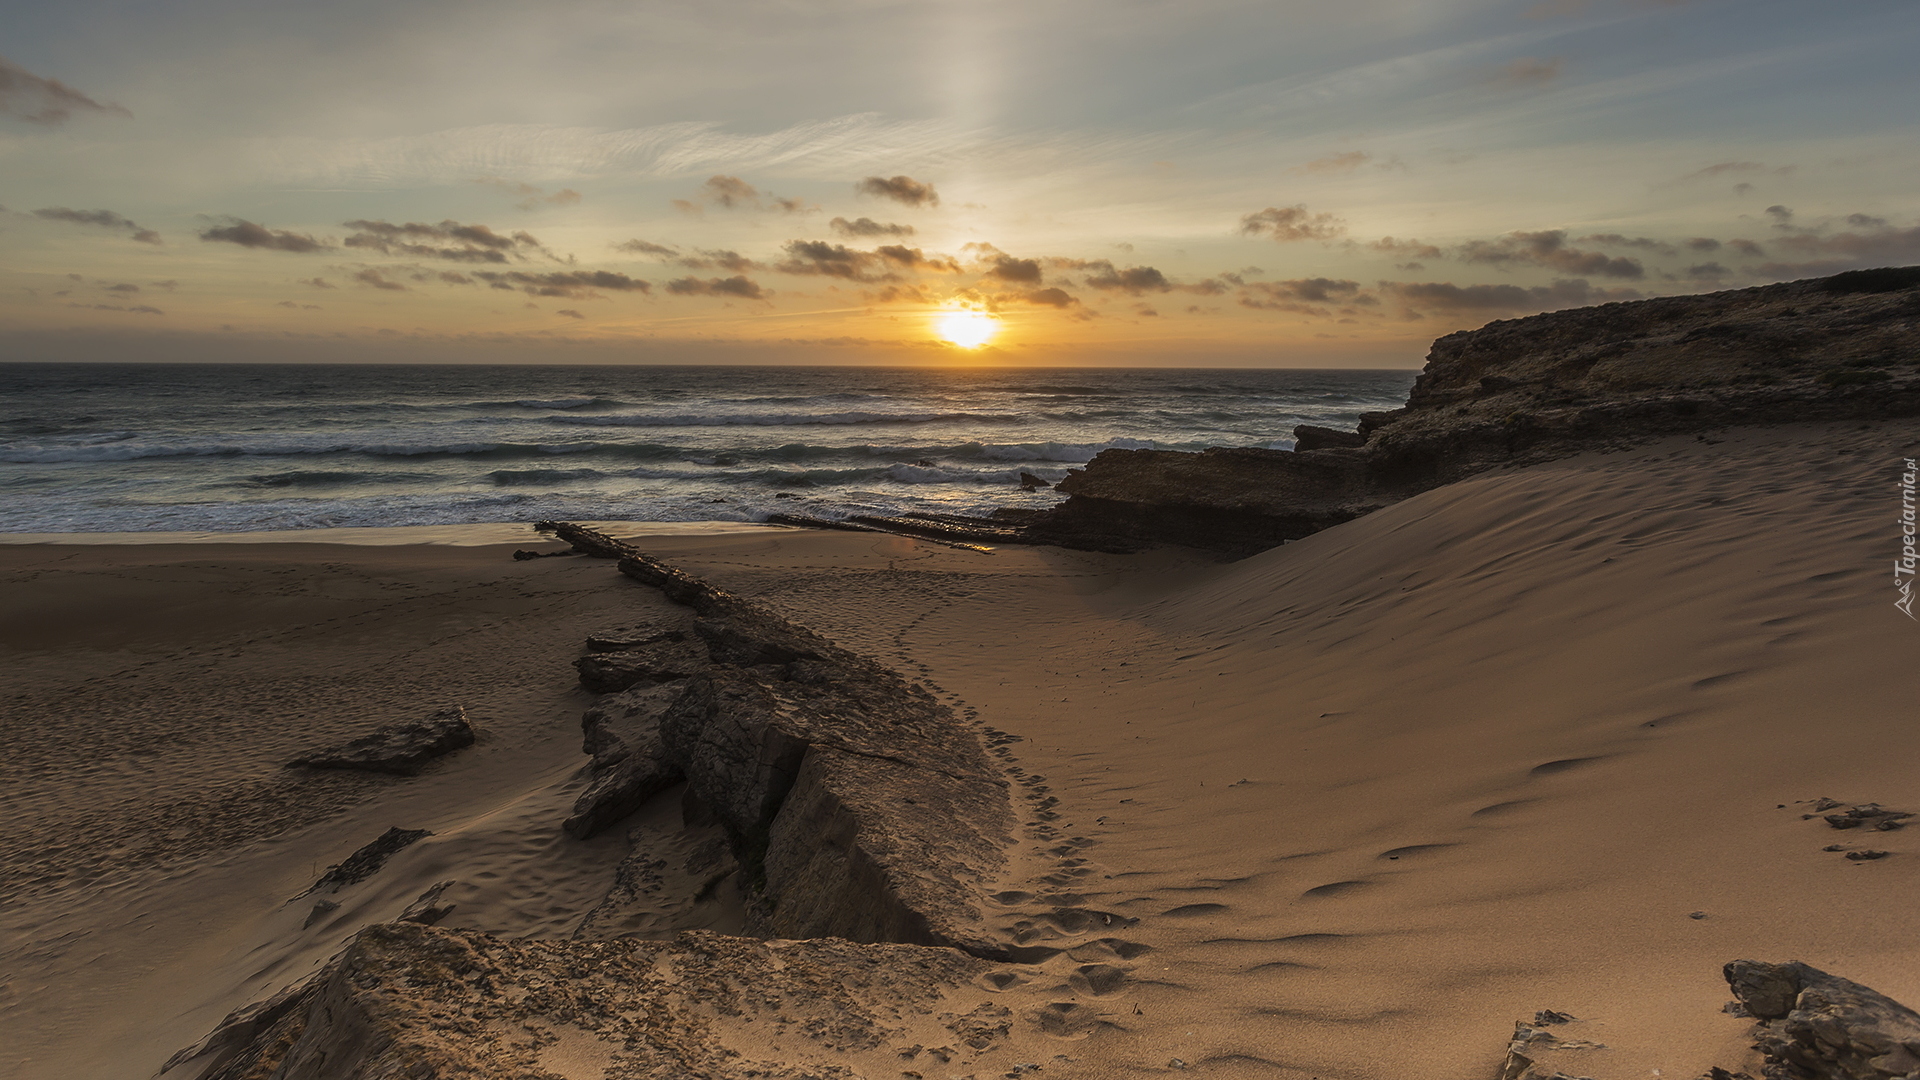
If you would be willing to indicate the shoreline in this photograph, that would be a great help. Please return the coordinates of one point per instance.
(477, 534)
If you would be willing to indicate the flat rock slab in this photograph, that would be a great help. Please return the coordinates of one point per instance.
(662, 661)
(368, 860)
(400, 749)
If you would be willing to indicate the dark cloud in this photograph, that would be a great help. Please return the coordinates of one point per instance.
(1879, 246)
(1702, 243)
(912, 259)
(1781, 215)
(1747, 247)
(1711, 271)
(644, 247)
(450, 277)
(104, 218)
(139, 309)
(41, 100)
(1547, 248)
(818, 257)
(901, 189)
(1284, 224)
(1055, 298)
(123, 288)
(570, 313)
(1641, 243)
(867, 227)
(731, 261)
(733, 193)
(316, 282)
(247, 234)
(448, 240)
(1405, 248)
(1448, 297)
(1016, 271)
(573, 284)
(1316, 290)
(1134, 280)
(531, 198)
(734, 287)
(1866, 221)
(374, 279)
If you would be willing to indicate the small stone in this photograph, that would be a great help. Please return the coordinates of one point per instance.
(1834, 847)
(1176, 1063)
(321, 908)
(1865, 854)
(1696, 915)
(402, 749)
(1549, 1016)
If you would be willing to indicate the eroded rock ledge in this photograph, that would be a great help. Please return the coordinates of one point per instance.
(1520, 391)
(857, 805)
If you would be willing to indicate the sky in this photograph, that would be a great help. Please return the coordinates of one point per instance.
(1294, 183)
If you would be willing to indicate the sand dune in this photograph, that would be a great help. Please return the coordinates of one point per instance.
(1347, 808)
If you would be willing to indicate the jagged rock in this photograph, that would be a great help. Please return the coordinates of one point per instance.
(406, 1000)
(402, 749)
(1030, 482)
(1314, 437)
(623, 787)
(368, 860)
(1534, 1052)
(622, 639)
(619, 722)
(428, 908)
(663, 661)
(1816, 1026)
(1520, 391)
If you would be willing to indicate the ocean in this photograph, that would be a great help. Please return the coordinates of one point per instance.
(222, 448)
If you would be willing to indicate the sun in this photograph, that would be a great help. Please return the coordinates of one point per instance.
(966, 328)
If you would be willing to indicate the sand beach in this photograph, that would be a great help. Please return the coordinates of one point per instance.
(1546, 738)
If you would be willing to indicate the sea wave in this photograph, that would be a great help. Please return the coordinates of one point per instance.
(837, 419)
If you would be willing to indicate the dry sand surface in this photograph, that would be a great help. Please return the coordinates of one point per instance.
(1539, 740)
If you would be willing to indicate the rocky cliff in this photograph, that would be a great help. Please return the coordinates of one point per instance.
(1520, 391)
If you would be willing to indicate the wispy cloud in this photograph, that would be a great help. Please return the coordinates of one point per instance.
(1285, 224)
(738, 288)
(103, 218)
(646, 247)
(448, 240)
(41, 100)
(531, 197)
(863, 227)
(576, 284)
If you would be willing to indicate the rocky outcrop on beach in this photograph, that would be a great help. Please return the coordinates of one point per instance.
(1521, 391)
(1816, 1026)
(401, 749)
(856, 804)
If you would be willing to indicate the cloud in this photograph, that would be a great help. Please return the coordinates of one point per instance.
(734, 287)
(104, 218)
(912, 259)
(1055, 298)
(1284, 224)
(1334, 164)
(247, 234)
(316, 282)
(1747, 247)
(1004, 267)
(901, 189)
(531, 198)
(124, 288)
(1722, 169)
(1616, 240)
(1781, 215)
(1134, 280)
(644, 247)
(448, 240)
(1881, 245)
(1531, 71)
(45, 101)
(731, 261)
(1316, 290)
(1702, 243)
(1866, 221)
(374, 279)
(1446, 296)
(570, 313)
(733, 193)
(1406, 248)
(818, 257)
(574, 284)
(867, 227)
(140, 309)
(1547, 248)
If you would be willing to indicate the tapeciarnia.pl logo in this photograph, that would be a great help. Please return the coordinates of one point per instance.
(1903, 567)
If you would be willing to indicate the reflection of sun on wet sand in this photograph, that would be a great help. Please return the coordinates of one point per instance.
(1541, 739)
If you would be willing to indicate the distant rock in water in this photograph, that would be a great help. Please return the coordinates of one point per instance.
(402, 749)
(1520, 391)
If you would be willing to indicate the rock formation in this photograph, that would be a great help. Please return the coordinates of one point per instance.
(1526, 390)
(1816, 1026)
(402, 749)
